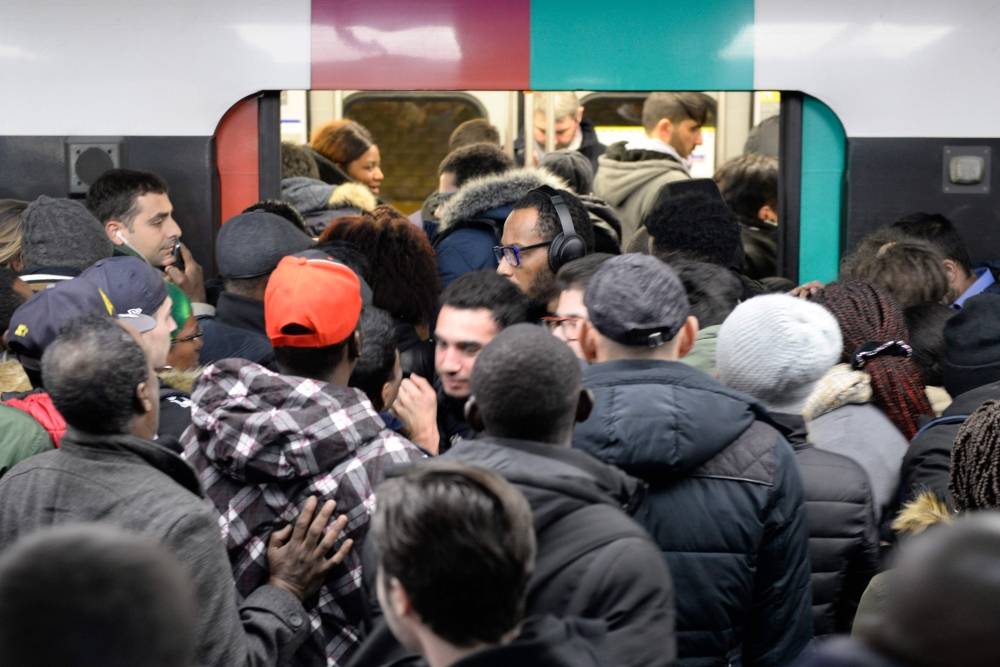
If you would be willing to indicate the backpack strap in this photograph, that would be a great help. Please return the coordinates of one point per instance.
(940, 421)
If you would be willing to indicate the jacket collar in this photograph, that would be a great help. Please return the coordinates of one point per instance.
(793, 427)
(97, 446)
(241, 311)
(966, 403)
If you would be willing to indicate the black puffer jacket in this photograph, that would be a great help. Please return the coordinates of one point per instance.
(927, 464)
(725, 506)
(592, 561)
(843, 534)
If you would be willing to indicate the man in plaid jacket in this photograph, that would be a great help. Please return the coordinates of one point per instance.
(263, 442)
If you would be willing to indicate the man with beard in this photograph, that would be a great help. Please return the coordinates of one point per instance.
(546, 229)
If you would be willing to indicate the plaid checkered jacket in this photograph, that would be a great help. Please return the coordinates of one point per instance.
(262, 443)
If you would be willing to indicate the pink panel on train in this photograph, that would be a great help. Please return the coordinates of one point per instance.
(433, 44)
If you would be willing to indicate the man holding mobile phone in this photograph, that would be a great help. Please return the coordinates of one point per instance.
(135, 209)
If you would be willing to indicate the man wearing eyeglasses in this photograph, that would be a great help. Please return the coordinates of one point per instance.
(571, 312)
(534, 244)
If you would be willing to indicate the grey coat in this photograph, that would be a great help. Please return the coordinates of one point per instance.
(144, 488)
(865, 434)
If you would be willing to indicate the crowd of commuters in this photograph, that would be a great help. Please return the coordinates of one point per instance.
(566, 414)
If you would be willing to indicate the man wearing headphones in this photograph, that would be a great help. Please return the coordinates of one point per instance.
(546, 229)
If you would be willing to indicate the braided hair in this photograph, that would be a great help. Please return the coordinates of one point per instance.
(867, 315)
(975, 461)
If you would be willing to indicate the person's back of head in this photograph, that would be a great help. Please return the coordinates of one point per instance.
(92, 594)
(61, 233)
(377, 372)
(943, 605)
(571, 166)
(297, 162)
(974, 476)
(406, 284)
(748, 183)
(677, 107)
(877, 342)
(940, 232)
(712, 291)
(777, 348)
(926, 324)
(279, 208)
(912, 272)
(249, 247)
(577, 274)
(475, 131)
(456, 548)
(473, 161)
(311, 312)
(697, 227)
(487, 291)
(11, 212)
(638, 309)
(99, 378)
(526, 385)
(972, 350)
(764, 137)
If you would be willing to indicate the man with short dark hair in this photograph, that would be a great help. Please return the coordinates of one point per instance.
(535, 245)
(249, 247)
(632, 174)
(570, 311)
(475, 131)
(749, 186)
(119, 600)
(964, 280)
(474, 309)
(726, 502)
(456, 549)
(713, 292)
(263, 442)
(108, 470)
(59, 239)
(378, 372)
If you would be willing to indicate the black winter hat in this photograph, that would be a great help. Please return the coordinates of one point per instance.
(251, 244)
(972, 345)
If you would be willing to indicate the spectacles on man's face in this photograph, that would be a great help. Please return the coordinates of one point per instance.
(568, 327)
(188, 339)
(512, 253)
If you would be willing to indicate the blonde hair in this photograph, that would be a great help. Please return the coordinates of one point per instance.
(10, 229)
(564, 103)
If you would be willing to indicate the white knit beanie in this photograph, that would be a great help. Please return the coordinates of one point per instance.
(776, 348)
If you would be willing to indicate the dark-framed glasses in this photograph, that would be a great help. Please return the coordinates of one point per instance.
(189, 339)
(512, 253)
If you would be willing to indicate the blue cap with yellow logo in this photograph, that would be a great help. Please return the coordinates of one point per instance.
(37, 322)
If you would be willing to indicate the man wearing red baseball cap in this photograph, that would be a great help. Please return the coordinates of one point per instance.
(263, 442)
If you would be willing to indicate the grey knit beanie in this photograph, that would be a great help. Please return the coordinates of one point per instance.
(776, 348)
(61, 233)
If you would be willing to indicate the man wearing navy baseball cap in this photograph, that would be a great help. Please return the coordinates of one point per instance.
(140, 298)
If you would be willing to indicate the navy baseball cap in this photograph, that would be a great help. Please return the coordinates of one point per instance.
(35, 324)
(135, 288)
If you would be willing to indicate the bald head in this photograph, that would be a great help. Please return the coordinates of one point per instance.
(526, 383)
(92, 594)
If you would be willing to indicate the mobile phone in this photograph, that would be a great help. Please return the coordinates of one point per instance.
(178, 257)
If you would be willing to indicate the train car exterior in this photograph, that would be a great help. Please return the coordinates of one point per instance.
(883, 95)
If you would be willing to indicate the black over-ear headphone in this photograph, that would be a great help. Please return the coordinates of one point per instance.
(567, 245)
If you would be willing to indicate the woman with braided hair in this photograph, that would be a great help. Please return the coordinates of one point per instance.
(975, 461)
(866, 408)
(877, 342)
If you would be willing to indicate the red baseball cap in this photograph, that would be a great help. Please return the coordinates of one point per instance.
(311, 303)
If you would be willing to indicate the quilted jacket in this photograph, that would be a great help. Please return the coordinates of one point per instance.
(262, 443)
(725, 506)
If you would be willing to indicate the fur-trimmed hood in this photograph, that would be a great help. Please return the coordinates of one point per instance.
(921, 513)
(352, 195)
(489, 192)
(181, 380)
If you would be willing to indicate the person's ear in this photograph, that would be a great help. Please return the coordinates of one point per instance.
(399, 599)
(664, 130)
(354, 346)
(584, 405)
(473, 416)
(114, 229)
(767, 214)
(142, 399)
(687, 336)
(579, 114)
(953, 271)
(588, 341)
